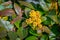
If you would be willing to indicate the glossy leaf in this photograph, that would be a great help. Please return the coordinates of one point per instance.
(17, 23)
(22, 33)
(7, 12)
(27, 11)
(18, 39)
(7, 3)
(58, 19)
(44, 37)
(29, 5)
(31, 38)
(0, 1)
(46, 29)
(17, 9)
(59, 1)
(47, 21)
(24, 24)
(6, 24)
(9, 6)
(33, 32)
(53, 16)
(3, 32)
(55, 29)
(43, 5)
(12, 35)
(2, 7)
(19, 13)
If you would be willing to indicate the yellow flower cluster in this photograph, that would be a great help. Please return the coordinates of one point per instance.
(34, 19)
(4, 18)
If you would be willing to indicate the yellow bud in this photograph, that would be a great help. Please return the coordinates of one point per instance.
(38, 14)
(29, 21)
(38, 21)
(39, 26)
(34, 23)
(32, 13)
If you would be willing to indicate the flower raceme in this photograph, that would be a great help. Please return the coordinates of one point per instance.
(34, 19)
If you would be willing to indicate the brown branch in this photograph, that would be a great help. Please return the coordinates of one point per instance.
(19, 17)
(19, 13)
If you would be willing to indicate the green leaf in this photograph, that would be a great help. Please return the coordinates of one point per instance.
(43, 18)
(18, 39)
(47, 21)
(17, 9)
(3, 32)
(52, 15)
(27, 10)
(59, 1)
(6, 24)
(58, 19)
(47, 1)
(9, 6)
(55, 29)
(31, 38)
(2, 7)
(0, 1)
(22, 33)
(44, 37)
(12, 35)
(29, 5)
(33, 32)
(43, 5)
(52, 36)
(52, 39)
(3, 38)
(17, 23)
(46, 29)
(40, 9)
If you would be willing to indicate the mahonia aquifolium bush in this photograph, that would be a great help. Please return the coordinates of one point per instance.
(34, 20)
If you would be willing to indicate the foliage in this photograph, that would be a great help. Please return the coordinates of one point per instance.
(29, 20)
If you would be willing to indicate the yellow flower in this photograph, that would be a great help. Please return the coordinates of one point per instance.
(34, 23)
(40, 26)
(5, 18)
(32, 13)
(35, 19)
(38, 14)
(38, 21)
(29, 21)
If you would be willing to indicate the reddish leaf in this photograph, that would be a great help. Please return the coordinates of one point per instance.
(19, 13)
(15, 19)
(18, 9)
(24, 24)
(7, 12)
(7, 3)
